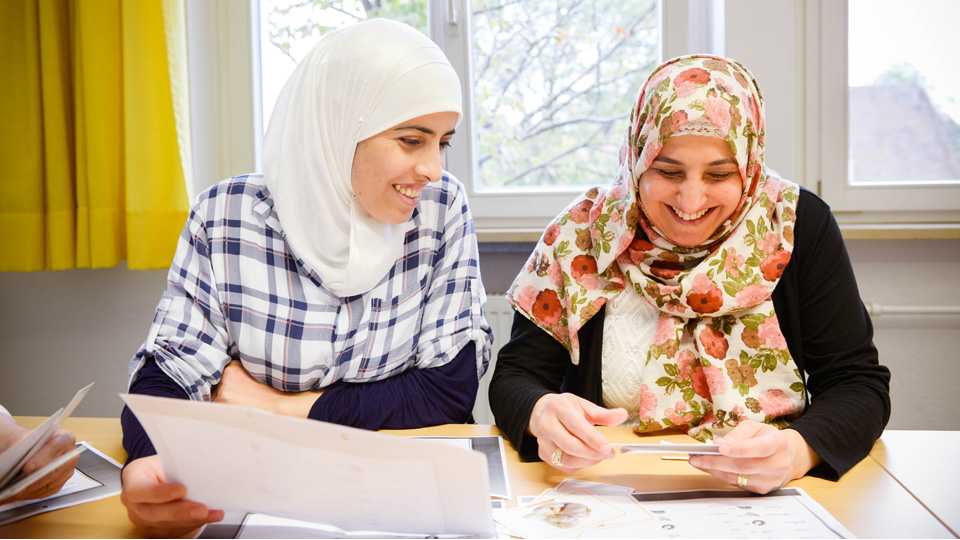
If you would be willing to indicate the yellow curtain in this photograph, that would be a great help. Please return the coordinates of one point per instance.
(94, 143)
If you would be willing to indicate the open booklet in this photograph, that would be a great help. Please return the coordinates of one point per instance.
(13, 458)
(239, 458)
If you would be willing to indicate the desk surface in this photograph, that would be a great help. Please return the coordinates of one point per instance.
(925, 463)
(868, 500)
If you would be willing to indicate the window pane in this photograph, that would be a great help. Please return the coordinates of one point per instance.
(554, 82)
(290, 28)
(904, 91)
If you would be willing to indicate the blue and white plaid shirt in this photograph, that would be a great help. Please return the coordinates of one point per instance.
(235, 290)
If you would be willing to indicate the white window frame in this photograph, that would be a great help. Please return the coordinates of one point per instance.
(805, 74)
(825, 53)
(223, 99)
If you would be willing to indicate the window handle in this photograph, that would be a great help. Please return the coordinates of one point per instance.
(452, 14)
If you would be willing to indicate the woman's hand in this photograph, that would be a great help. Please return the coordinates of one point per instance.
(566, 421)
(158, 509)
(61, 443)
(766, 457)
(238, 387)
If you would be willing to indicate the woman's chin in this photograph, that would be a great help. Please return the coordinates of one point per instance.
(687, 239)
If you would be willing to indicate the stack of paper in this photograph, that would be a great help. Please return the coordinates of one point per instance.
(13, 458)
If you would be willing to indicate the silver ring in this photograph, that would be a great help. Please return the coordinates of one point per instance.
(557, 458)
(742, 480)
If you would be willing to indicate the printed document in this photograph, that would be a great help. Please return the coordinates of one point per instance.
(239, 458)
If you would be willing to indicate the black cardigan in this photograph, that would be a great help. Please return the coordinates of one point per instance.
(821, 315)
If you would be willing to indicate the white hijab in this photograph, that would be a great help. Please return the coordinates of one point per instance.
(355, 83)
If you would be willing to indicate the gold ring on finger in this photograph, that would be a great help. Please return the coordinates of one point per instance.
(557, 458)
(742, 480)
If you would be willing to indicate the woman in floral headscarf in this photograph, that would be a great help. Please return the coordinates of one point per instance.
(699, 292)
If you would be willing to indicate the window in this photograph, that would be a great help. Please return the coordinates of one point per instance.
(549, 85)
(519, 178)
(887, 105)
(904, 102)
(553, 84)
(290, 28)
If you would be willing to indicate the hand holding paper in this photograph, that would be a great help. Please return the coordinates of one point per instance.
(24, 460)
(160, 509)
(240, 458)
(759, 457)
(564, 427)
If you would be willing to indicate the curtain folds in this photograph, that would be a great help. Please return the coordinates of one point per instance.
(95, 138)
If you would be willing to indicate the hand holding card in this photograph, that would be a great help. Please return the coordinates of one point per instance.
(13, 459)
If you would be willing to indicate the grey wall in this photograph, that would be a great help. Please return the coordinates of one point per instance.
(61, 330)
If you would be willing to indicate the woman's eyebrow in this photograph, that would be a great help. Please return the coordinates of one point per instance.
(425, 130)
(672, 161)
(667, 160)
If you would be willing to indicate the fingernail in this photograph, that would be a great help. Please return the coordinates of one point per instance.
(198, 513)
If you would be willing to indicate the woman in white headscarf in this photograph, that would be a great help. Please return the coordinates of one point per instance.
(700, 293)
(341, 286)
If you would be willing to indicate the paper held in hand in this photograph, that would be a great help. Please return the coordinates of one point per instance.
(13, 458)
(239, 458)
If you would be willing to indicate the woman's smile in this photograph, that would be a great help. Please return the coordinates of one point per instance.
(409, 194)
(691, 188)
(689, 217)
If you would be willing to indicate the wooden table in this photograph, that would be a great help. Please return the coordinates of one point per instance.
(868, 500)
(926, 464)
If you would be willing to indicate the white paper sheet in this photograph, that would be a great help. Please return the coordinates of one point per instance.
(260, 526)
(239, 458)
(787, 513)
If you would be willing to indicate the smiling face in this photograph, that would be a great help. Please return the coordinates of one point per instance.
(391, 168)
(691, 188)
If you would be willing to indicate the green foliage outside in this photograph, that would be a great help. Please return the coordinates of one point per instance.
(292, 21)
(554, 83)
(553, 80)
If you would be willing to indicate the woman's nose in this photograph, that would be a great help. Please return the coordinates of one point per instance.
(431, 165)
(693, 195)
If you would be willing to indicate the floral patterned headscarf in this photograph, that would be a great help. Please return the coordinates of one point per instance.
(718, 355)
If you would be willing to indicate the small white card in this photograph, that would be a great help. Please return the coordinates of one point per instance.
(689, 449)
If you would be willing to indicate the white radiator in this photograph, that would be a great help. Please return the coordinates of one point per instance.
(499, 315)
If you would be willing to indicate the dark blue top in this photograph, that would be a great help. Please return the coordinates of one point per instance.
(412, 399)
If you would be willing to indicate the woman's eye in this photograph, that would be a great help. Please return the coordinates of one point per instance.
(670, 174)
(445, 144)
(409, 142)
(721, 176)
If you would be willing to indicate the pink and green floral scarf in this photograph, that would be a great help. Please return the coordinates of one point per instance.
(718, 355)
